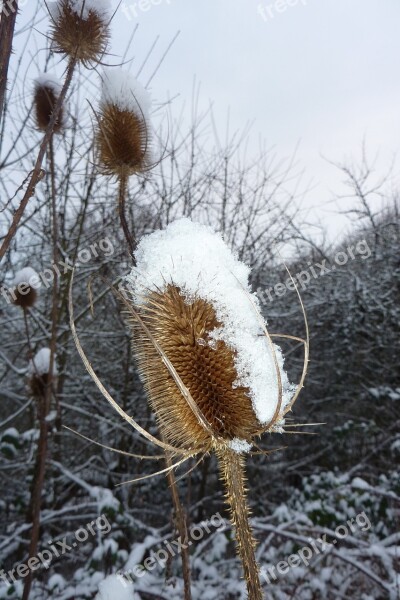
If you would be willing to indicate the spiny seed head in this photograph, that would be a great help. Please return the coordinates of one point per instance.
(122, 142)
(183, 331)
(24, 294)
(47, 91)
(212, 376)
(123, 132)
(80, 28)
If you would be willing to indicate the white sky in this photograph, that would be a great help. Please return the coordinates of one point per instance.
(323, 74)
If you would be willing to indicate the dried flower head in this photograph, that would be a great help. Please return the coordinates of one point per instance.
(80, 28)
(39, 372)
(123, 129)
(192, 298)
(47, 91)
(25, 286)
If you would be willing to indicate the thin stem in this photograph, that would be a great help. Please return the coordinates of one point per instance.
(181, 525)
(123, 187)
(232, 470)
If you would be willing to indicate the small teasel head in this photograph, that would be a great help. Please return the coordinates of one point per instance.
(25, 285)
(123, 125)
(39, 373)
(46, 92)
(191, 300)
(80, 28)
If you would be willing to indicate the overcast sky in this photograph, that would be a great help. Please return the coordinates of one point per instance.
(323, 74)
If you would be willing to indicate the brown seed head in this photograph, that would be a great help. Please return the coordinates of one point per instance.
(86, 39)
(182, 330)
(45, 99)
(27, 299)
(122, 141)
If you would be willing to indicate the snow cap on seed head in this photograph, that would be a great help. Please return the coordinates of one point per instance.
(25, 284)
(123, 129)
(47, 89)
(193, 295)
(39, 371)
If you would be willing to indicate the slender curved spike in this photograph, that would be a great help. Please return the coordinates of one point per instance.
(101, 387)
(166, 470)
(286, 336)
(112, 449)
(192, 468)
(299, 432)
(266, 452)
(304, 424)
(306, 346)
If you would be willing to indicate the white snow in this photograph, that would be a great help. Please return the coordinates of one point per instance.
(360, 484)
(239, 446)
(25, 275)
(114, 587)
(121, 88)
(48, 80)
(82, 8)
(56, 581)
(40, 365)
(197, 260)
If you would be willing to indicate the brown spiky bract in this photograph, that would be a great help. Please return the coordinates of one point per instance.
(122, 142)
(45, 101)
(182, 330)
(85, 40)
(25, 300)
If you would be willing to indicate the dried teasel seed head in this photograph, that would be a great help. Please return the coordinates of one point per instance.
(47, 91)
(39, 372)
(123, 128)
(80, 28)
(25, 284)
(190, 297)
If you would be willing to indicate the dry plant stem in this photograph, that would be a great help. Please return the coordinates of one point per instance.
(123, 187)
(37, 174)
(44, 403)
(37, 486)
(232, 470)
(181, 525)
(55, 298)
(7, 26)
